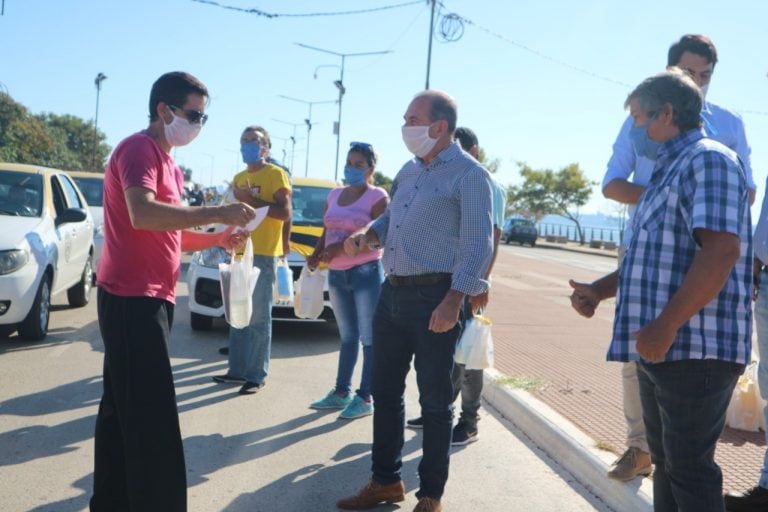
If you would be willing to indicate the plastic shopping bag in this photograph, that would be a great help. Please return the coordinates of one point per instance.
(309, 293)
(475, 347)
(745, 412)
(238, 280)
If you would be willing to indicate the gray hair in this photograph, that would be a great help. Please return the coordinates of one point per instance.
(443, 107)
(673, 87)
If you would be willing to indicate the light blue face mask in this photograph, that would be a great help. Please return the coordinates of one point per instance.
(354, 176)
(643, 144)
(251, 152)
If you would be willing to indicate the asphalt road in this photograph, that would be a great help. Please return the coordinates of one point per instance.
(266, 452)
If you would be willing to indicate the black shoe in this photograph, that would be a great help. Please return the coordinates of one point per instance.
(224, 351)
(753, 500)
(228, 379)
(464, 433)
(415, 422)
(249, 388)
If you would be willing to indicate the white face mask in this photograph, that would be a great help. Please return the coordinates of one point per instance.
(181, 132)
(704, 89)
(417, 140)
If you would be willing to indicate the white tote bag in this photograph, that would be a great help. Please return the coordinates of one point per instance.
(475, 347)
(309, 293)
(745, 411)
(238, 280)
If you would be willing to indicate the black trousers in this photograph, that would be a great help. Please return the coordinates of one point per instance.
(139, 463)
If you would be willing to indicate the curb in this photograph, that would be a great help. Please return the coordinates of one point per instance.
(567, 445)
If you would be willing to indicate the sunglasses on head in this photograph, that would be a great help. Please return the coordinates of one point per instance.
(361, 145)
(193, 116)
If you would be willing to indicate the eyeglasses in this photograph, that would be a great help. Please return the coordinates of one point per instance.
(193, 116)
(361, 145)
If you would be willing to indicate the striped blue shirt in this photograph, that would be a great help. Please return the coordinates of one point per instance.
(439, 220)
(697, 183)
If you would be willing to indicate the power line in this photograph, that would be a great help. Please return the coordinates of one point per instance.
(266, 14)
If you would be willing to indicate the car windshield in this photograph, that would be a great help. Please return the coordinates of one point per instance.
(308, 205)
(21, 194)
(92, 189)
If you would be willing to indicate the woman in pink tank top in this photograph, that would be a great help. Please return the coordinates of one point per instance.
(354, 282)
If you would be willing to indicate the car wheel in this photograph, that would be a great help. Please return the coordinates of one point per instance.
(79, 295)
(35, 326)
(506, 240)
(200, 322)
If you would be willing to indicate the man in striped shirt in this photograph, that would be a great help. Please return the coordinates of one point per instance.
(437, 237)
(684, 290)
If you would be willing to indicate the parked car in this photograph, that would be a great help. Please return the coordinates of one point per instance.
(308, 204)
(522, 231)
(91, 184)
(46, 247)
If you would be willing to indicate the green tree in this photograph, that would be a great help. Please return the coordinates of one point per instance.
(492, 164)
(382, 181)
(51, 140)
(546, 192)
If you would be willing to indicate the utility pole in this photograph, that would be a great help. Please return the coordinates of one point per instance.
(342, 90)
(292, 138)
(431, 37)
(97, 81)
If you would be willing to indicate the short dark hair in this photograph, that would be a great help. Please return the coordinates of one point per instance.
(261, 130)
(673, 87)
(172, 89)
(466, 137)
(694, 43)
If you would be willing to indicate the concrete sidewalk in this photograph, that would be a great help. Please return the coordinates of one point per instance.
(564, 394)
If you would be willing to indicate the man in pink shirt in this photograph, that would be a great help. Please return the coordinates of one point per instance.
(139, 460)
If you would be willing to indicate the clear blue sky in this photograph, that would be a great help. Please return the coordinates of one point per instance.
(527, 106)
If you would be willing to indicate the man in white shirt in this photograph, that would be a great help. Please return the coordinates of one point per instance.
(625, 180)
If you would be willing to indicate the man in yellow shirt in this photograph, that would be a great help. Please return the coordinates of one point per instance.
(261, 184)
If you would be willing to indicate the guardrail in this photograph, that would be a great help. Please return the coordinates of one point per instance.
(597, 237)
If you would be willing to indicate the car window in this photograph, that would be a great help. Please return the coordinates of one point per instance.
(21, 194)
(92, 189)
(73, 199)
(59, 203)
(308, 205)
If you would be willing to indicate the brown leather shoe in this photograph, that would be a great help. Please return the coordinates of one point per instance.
(428, 505)
(634, 462)
(372, 494)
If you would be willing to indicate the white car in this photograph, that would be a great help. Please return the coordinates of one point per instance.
(308, 203)
(46, 247)
(91, 184)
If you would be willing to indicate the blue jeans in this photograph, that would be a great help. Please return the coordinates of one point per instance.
(354, 295)
(249, 347)
(400, 333)
(761, 322)
(684, 404)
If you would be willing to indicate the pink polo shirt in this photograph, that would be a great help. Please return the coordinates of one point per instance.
(136, 262)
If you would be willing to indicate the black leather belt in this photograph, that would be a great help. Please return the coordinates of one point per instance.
(419, 280)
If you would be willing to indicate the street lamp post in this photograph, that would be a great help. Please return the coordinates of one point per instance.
(292, 138)
(97, 81)
(308, 122)
(342, 89)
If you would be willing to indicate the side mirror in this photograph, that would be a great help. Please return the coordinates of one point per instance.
(71, 215)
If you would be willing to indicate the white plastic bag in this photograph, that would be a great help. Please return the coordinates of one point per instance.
(283, 291)
(309, 293)
(745, 411)
(475, 347)
(238, 280)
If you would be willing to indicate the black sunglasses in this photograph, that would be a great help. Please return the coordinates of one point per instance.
(193, 116)
(361, 145)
